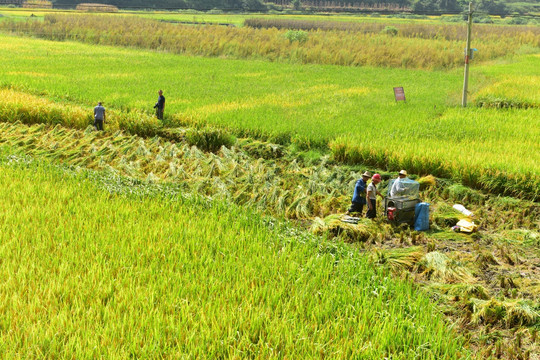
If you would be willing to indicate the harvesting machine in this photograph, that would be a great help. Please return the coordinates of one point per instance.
(400, 209)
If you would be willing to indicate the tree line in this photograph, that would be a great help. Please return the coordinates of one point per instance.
(495, 7)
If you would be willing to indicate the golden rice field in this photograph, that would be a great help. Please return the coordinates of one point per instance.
(218, 232)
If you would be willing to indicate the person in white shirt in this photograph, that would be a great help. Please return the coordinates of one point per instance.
(371, 196)
(397, 186)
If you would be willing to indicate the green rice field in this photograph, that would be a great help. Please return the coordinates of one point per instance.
(219, 231)
(350, 109)
(156, 275)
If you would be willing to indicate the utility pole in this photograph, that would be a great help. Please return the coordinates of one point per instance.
(467, 57)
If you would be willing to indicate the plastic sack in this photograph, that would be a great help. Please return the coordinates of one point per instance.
(467, 226)
(421, 216)
(463, 210)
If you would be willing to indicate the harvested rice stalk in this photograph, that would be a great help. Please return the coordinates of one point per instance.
(427, 182)
(486, 259)
(509, 313)
(439, 267)
(486, 311)
(334, 227)
(462, 291)
(399, 259)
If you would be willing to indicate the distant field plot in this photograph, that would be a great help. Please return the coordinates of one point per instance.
(192, 16)
(238, 19)
(309, 105)
(24, 13)
(90, 273)
(413, 46)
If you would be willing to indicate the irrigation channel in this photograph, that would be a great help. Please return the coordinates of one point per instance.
(487, 282)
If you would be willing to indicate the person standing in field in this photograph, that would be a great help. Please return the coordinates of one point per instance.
(397, 186)
(358, 199)
(160, 105)
(99, 116)
(371, 196)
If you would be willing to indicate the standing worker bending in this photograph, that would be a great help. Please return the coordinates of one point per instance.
(371, 196)
(160, 105)
(359, 200)
(99, 116)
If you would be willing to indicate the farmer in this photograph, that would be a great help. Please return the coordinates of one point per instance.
(371, 196)
(397, 186)
(160, 105)
(99, 116)
(358, 199)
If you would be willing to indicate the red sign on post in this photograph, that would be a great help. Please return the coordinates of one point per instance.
(399, 93)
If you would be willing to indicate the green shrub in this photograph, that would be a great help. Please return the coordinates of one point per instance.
(390, 30)
(517, 21)
(483, 19)
(215, 11)
(452, 19)
(296, 35)
(209, 139)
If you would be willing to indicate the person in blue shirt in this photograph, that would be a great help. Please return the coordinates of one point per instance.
(359, 196)
(160, 105)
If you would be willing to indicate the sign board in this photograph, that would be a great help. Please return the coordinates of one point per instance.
(399, 94)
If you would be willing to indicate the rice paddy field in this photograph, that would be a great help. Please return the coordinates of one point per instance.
(311, 105)
(217, 232)
(238, 19)
(147, 272)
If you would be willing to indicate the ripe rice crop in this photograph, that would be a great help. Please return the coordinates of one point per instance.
(29, 109)
(91, 274)
(281, 187)
(96, 7)
(309, 106)
(37, 4)
(510, 89)
(276, 188)
(518, 34)
(513, 172)
(321, 47)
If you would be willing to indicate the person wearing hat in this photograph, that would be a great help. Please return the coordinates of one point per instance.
(371, 196)
(358, 199)
(397, 186)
